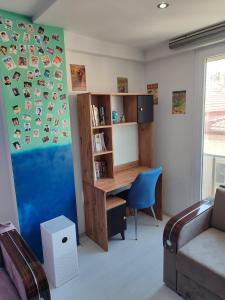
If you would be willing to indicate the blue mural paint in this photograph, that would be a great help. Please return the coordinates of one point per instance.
(44, 180)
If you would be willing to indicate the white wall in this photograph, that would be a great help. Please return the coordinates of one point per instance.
(8, 208)
(174, 133)
(178, 138)
(101, 74)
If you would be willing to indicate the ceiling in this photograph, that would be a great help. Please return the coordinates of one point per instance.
(136, 23)
(25, 7)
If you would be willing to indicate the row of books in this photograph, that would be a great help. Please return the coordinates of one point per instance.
(100, 169)
(97, 115)
(99, 142)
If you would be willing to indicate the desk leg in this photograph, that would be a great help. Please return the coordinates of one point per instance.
(95, 215)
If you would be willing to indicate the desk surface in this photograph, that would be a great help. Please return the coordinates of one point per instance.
(121, 179)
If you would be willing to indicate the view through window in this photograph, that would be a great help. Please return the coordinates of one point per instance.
(214, 127)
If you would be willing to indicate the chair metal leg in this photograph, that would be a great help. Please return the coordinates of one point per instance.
(153, 212)
(136, 218)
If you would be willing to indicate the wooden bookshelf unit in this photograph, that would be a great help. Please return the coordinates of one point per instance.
(99, 184)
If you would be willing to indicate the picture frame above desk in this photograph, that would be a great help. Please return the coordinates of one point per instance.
(102, 172)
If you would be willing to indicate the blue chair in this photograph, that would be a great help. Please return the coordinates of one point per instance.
(142, 193)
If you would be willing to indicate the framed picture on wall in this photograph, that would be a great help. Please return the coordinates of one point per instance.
(122, 84)
(179, 103)
(153, 90)
(78, 77)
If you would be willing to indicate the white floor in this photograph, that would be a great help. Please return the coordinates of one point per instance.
(130, 270)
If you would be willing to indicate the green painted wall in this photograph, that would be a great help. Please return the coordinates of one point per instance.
(44, 51)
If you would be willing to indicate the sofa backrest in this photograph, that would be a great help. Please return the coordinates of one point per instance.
(218, 215)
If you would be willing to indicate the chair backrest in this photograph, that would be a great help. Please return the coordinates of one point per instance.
(142, 191)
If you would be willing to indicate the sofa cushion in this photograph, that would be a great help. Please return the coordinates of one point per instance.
(218, 216)
(203, 260)
(13, 273)
(7, 289)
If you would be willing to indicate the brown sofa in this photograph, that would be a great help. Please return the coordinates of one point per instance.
(194, 250)
(21, 275)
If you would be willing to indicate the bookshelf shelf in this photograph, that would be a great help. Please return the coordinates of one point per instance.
(101, 153)
(125, 124)
(101, 127)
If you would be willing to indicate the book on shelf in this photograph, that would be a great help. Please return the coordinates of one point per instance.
(99, 169)
(99, 142)
(97, 116)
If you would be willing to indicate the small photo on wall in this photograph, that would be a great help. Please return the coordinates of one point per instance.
(34, 61)
(57, 61)
(36, 133)
(27, 127)
(26, 37)
(15, 36)
(21, 26)
(17, 145)
(58, 74)
(45, 139)
(59, 49)
(50, 50)
(30, 75)
(23, 48)
(56, 37)
(6, 80)
(9, 63)
(46, 39)
(41, 30)
(27, 84)
(4, 36)
(15, 121)
(122, 84)
(31, 49)
(22, 62)
(15, 92)
(16, 109)
(26, 93)
(30, 28)
(8, 24)
(28, 105)
(3, 50)
(179, 103)
(16, 76)
(46, 61)
(13, 49)
(27, 139)
(40, 50)
(37, 73)
(17, 133)
(78, 77)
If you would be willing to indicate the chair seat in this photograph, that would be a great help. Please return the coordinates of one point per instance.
(203, 261)
(7, 289)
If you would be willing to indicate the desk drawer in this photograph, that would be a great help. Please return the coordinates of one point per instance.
(116, 218)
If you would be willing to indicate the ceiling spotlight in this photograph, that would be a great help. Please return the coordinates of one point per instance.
(163, 5)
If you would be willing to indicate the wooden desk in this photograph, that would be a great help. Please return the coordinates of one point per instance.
(121, 179)
(96, 197)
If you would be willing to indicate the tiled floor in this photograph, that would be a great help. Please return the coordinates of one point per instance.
(130, 270)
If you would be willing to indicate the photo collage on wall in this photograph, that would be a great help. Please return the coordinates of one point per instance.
(32, 64)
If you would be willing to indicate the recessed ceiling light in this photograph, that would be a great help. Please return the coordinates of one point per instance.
(163, 5)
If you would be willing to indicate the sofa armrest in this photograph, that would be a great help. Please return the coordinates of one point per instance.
(25, 270)
(186, 225)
